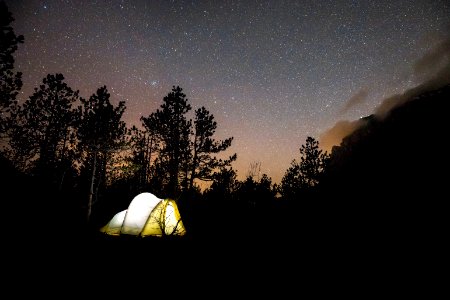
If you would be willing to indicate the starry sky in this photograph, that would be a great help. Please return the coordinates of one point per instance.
(271, 72)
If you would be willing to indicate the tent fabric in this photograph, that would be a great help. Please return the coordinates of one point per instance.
(138, 213)
(147, 215)
(113, 227)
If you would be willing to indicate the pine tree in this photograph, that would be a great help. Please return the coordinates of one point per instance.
(43, 137)
(143, 152)
(204, 146)
(183, 151)
(224, 186)
(313, 162)
(10, 82)
(173, 130)
(102, 134)
(306, 174)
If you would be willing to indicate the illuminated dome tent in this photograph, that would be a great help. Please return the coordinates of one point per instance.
(147, 215)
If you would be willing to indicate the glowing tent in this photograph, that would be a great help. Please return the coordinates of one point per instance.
(147, 215)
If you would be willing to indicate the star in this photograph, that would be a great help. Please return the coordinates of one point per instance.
(269, 73)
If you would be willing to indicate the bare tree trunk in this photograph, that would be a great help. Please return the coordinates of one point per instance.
(148, 160)
(194, 161)
(61, 181)
(191, 179)
(91, 189)
(62, 155)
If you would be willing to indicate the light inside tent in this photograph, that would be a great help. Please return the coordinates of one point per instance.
(138, 213)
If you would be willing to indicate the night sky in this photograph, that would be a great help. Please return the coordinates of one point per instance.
(271, 72)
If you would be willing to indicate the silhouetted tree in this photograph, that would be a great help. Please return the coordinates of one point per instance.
(292, 181)
(246, 193)
(101, 134)
(265, 191)
(224, 186)
(307, 173)
(143, 151)
(254, 170)
(180, 151)
(313, 162)
(43, 138)
(256, 194)
(173, 130)
(10, 82)
(159, 177)
(204, 145)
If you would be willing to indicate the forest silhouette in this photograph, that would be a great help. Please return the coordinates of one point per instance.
(69, 164)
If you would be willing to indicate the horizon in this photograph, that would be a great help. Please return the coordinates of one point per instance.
(268, 73)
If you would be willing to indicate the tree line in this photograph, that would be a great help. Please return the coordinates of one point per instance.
(82, 149)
